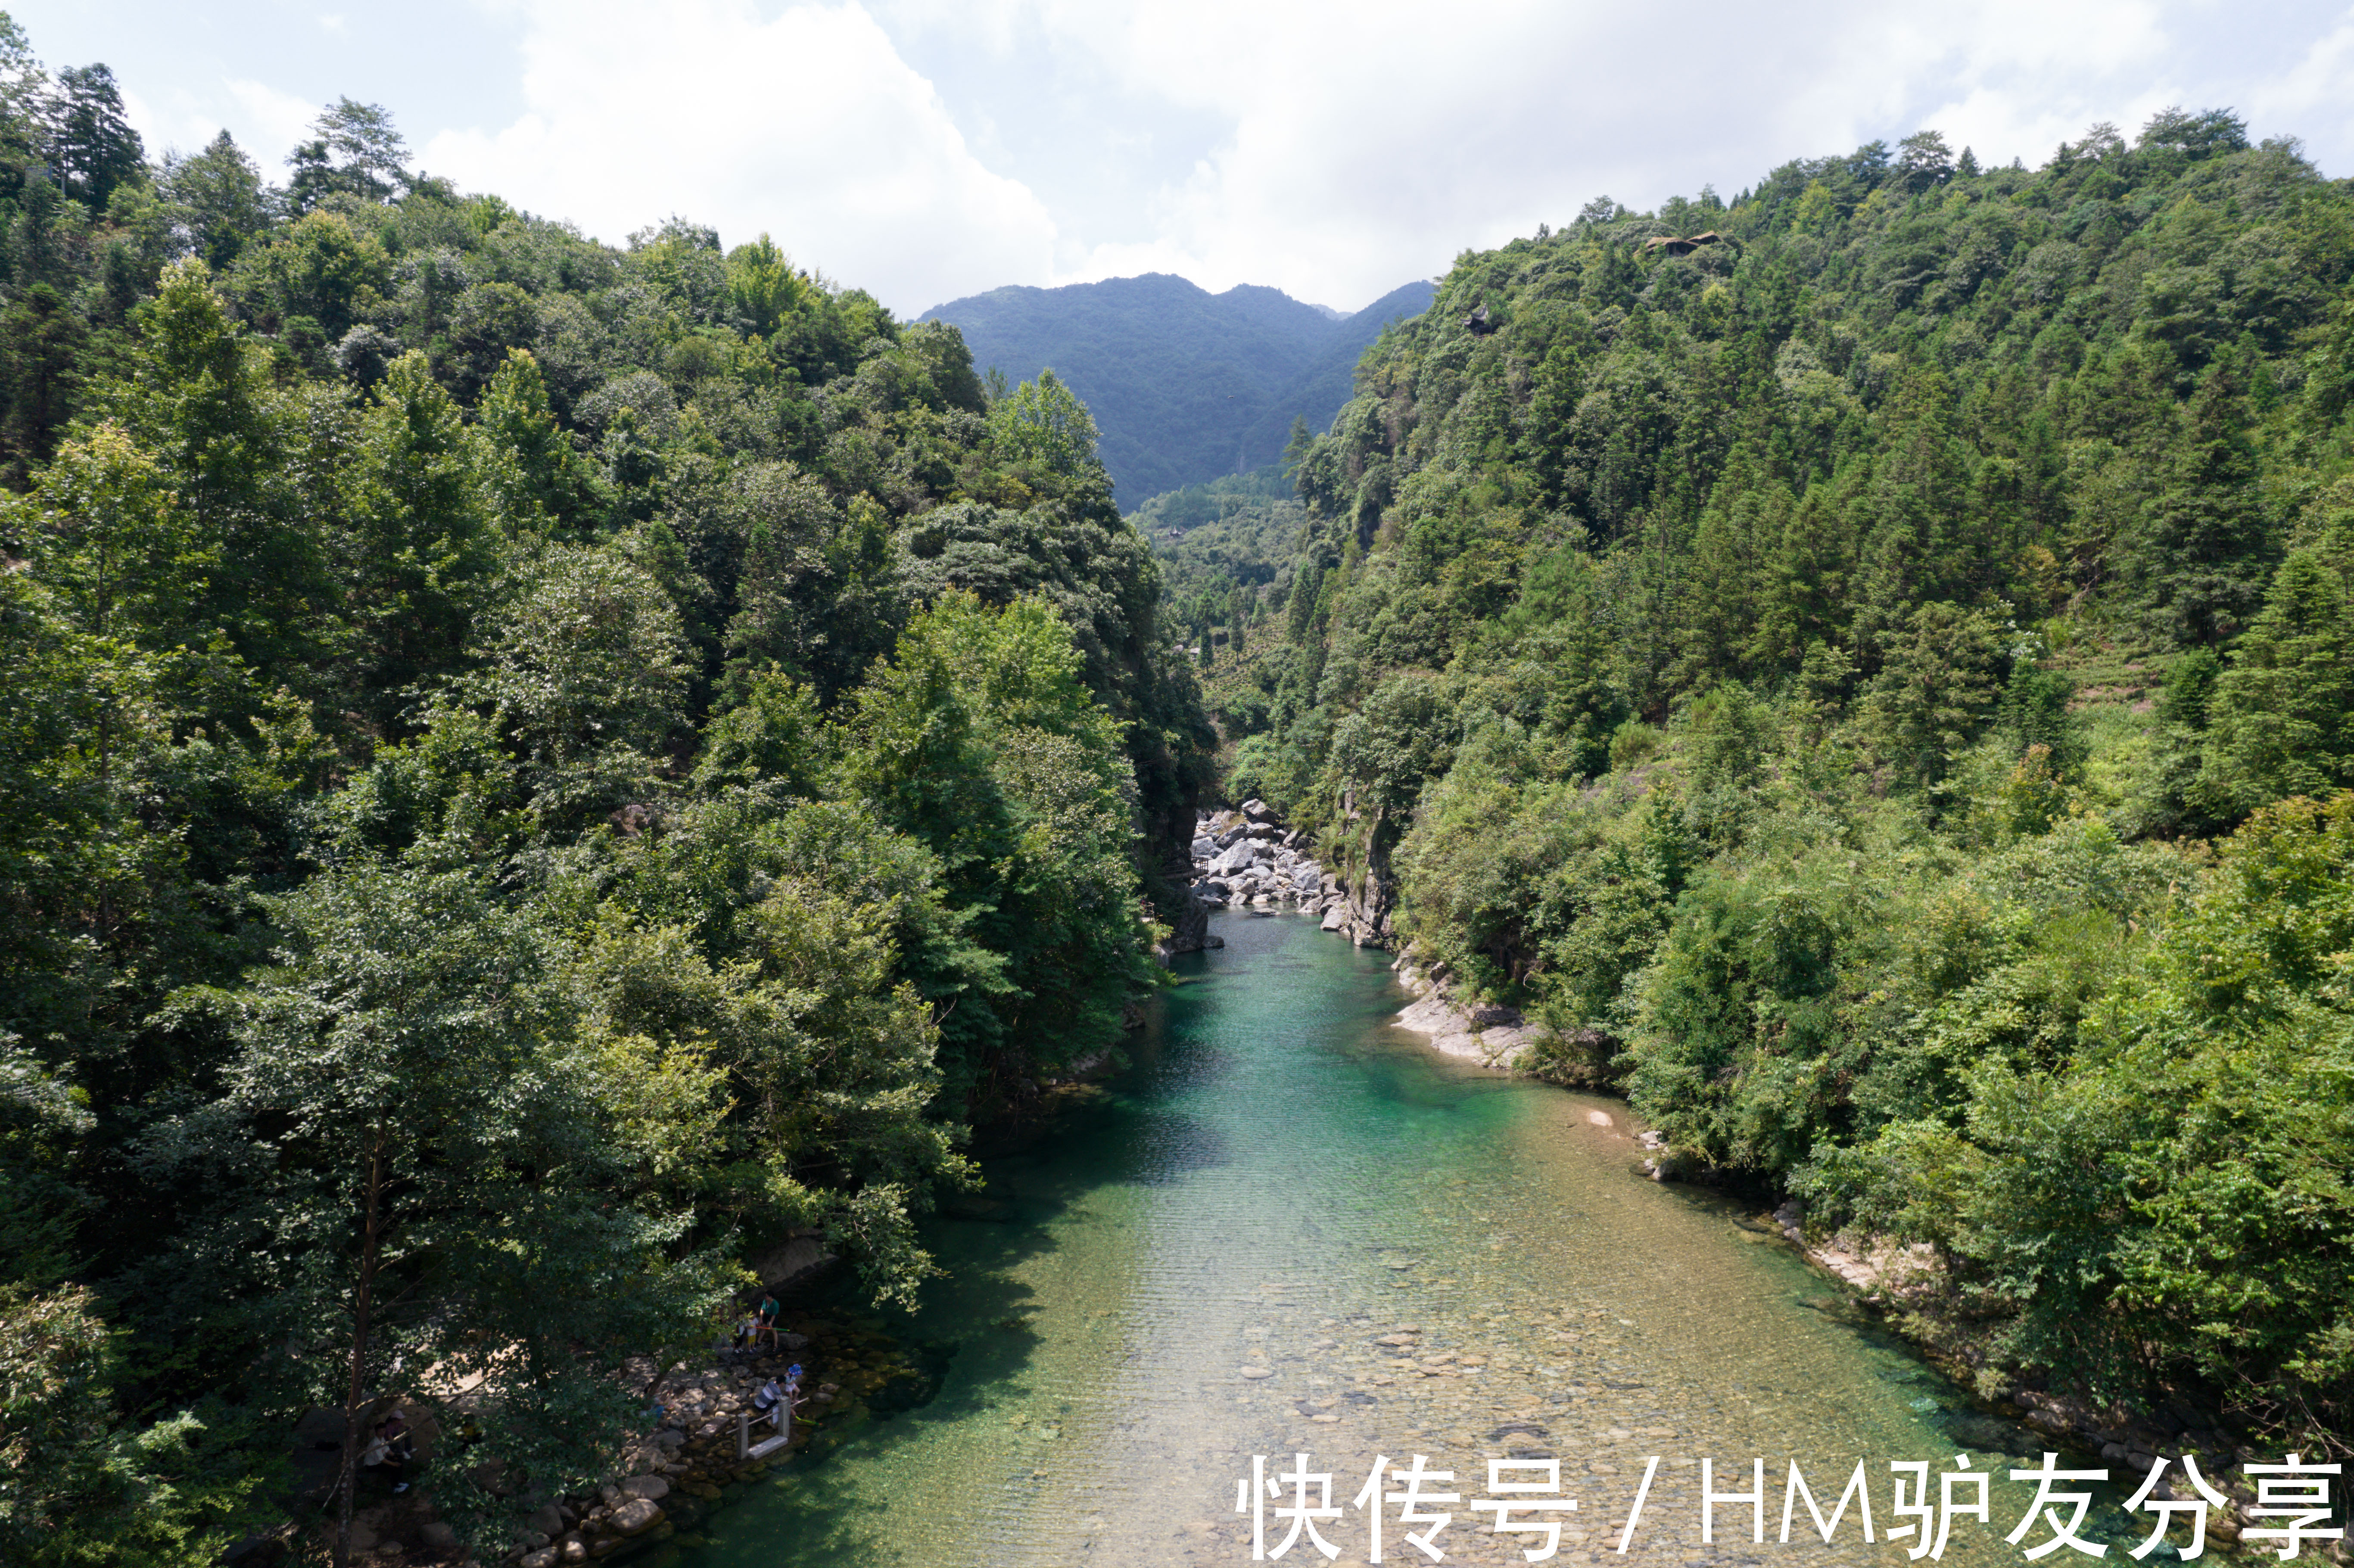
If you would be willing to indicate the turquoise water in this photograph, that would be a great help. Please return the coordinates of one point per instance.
(1199, 1266)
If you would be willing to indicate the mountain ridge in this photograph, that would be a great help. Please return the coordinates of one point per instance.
(1184, 385)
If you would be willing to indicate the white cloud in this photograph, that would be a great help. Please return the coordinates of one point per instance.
(808, 126)
(2312, 99)
(273, 119)
(926, 149)
(261, 118)
(1368, 142)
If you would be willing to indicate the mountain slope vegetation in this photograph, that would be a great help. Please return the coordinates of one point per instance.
(1184, 385)
(1864, 664)
(530, 770)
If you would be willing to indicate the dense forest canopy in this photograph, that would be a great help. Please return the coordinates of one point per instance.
(1867, 665)
(530, 770)
(1184, 385)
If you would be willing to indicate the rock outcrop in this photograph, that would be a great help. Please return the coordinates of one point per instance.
(1492, 1036)
(1248, 858)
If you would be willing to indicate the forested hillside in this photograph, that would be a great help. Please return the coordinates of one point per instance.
(1184, 385)
(1870, 666)
(529, 770)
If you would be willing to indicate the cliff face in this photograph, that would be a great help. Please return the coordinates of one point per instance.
(1369, 890)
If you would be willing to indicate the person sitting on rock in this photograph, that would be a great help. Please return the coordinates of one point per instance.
(770, 1402)
(388, 1450)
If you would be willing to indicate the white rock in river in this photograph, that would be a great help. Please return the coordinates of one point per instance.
(1236, 857)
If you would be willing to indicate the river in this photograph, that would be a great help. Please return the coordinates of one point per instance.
(1280, 1181)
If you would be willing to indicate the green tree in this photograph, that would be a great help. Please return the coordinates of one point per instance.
(220, 192)
(318, 270)
(41, 345)
(977, 738)
(2198, 559)
(86, 1487)
(798, 992)
(539, 481)
(1937, 691)
(2281, 719)
(586, 671)
(422, 553)
(1044, 423)
(420, 1166)
(112, 539)
(354, 151)
(89, 143)
(763, 285)
(200, 400)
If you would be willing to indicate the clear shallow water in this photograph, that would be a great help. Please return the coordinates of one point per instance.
(1279, 1180)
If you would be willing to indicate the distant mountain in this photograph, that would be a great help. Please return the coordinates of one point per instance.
(1184, 385)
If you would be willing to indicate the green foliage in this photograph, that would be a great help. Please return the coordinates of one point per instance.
(2159, 1191)
(354, 152)
(796, 996)
(1937, 690)
(409, 1119)
(764, 286)
(425, 552)
(111, 539)
(1042, 422)
(83, 1486)
(221, 191)
(2279, 715)
(528, 771)
(585, 671)
(979, 739)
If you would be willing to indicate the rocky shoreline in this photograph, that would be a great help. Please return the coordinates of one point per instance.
(669, 1479)
(1246, 858)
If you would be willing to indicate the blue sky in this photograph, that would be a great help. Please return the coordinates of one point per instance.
(927, 149)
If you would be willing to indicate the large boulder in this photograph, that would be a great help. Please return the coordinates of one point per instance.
(320, 1429)
(796, 1264)
(653, 1489)
(635, 1517)
(1237, 857)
